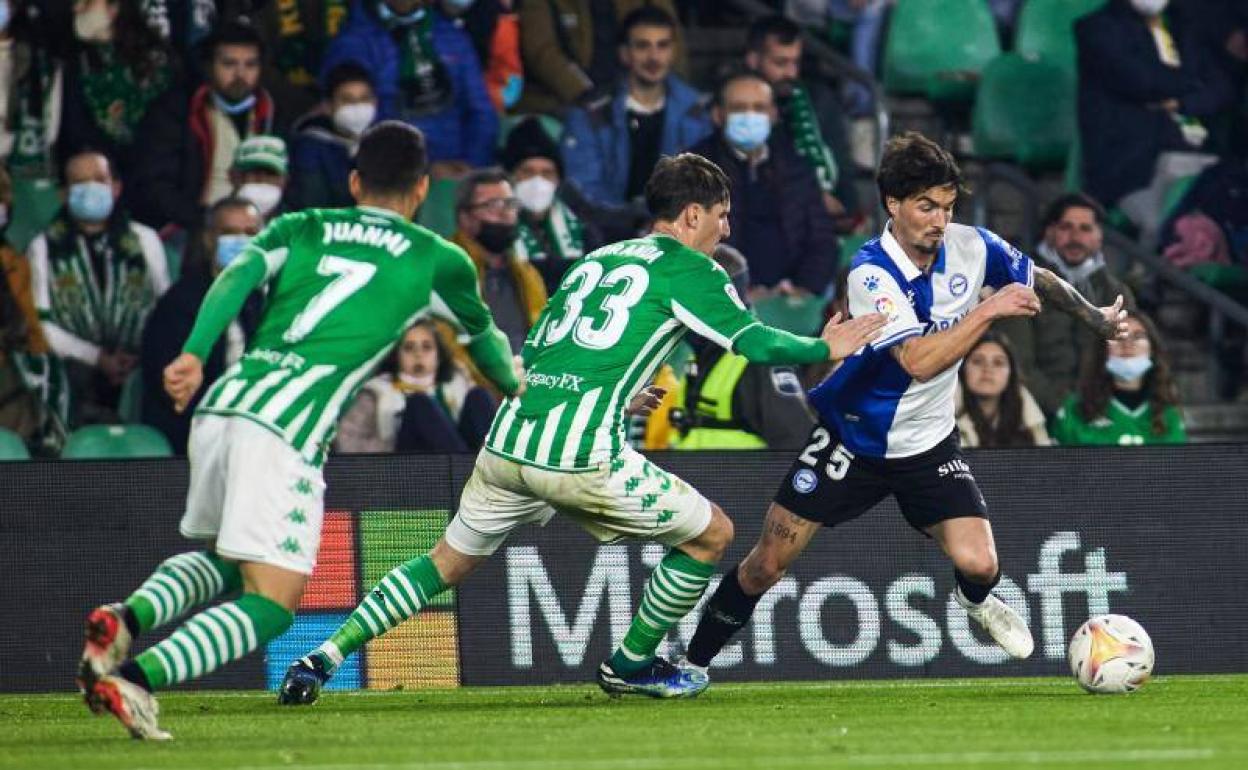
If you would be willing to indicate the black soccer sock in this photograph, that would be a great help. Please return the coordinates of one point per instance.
(975, 592)
(131, 620)
(131, 672)
(728, 610)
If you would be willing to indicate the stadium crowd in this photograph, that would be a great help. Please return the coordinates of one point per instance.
(143, 142)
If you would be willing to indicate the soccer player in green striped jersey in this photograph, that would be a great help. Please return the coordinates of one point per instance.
(342, 286)
(560, 447)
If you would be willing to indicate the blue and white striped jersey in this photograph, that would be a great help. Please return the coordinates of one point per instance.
(878, 409)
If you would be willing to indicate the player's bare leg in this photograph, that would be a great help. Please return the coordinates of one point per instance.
(400, 595)
(785, 536)
(970, 546)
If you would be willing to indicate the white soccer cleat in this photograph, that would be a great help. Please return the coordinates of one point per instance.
(133, 706)
(107, 645)
(1002, 623)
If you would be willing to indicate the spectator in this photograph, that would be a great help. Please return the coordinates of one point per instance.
(571, 49)
(551, 235)
(117, 66)
(30, 98)
(1050, 346)
(610, 147)
(725, 402)
(420, 402)
(1126, 396)
(96, 276)
(259, 173)
(777, 216)
(866, 19)
(189, 138)
(326, 139)
(808, 111)
(494, 27)
(1147, 86)
(993, 407)
(426, 73)
(298, 33)
(486, 215)
(231, 223)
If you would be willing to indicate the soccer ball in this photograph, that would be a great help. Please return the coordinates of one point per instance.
(1111, 654)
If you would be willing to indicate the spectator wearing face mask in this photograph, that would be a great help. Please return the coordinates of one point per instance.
(1126, 396)
(231, 223)
(31, 92)
(325, 142)
(96, 276)
(259, 173)
(550, 235)
(778, 218)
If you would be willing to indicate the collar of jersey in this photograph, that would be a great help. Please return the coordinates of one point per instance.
(908, 269)
(381, 212)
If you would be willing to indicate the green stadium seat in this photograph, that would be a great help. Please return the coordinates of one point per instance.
(12, 447)
(800, 315)
(1024, 112)
(438, 211)
(130, 403)
(1045, 28)
(938, 49)
(850, 245)
(1231, 280)
(35, 203)
(96, 442)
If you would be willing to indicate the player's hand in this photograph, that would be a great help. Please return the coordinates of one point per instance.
(1114, 326)
(182, 380)
(646, 401)
(1011, 301)
(844, 338)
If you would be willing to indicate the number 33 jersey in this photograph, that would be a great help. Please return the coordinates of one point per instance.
(616, 316)
(343, 285)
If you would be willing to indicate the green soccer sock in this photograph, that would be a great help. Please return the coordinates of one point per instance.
(180, 583)
(401, 594)
(671, 592)
(214, 638)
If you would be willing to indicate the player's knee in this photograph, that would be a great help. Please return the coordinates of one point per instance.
(759, 572)
(718, 535)
(978, 566)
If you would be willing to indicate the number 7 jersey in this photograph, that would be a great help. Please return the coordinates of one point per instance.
(615, 318)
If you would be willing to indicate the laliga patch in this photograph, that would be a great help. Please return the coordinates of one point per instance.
(805, 481)
(885, 305)
(958, 284)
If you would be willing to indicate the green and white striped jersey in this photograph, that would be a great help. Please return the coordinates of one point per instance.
(616, 316)
(343, 286)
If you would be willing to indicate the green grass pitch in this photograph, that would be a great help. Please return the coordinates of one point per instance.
(1180, 722)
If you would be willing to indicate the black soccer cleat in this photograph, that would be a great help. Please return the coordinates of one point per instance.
(303, 682)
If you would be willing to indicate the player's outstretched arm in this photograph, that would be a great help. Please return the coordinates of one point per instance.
(1109, 322)
(455, 284)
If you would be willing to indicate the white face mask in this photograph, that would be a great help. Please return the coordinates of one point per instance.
(1149, 7)
(266, 196)
(93, 26)
(536, 194)
(354, 118)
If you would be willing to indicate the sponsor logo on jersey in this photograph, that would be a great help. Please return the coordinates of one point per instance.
(805, 481)
(569, 382)
(940, 324)
(956, 468)
(276, 358)
(958, 284)
(872, 283)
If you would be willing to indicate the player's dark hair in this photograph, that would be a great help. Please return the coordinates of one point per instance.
(784, 30)
(467, 190)
(645, 16)
(1009, 429)
(1096, 386)
(347, 72)
(733, 76)
(913, 163)
(1072, 200)
(679, 181)
(392, 158)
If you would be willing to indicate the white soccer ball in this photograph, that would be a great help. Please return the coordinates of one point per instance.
(1111, 654)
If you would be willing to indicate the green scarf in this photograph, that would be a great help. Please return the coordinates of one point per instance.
(803, 123)
(116, 99)
(299, 52)
(424, 83)
(564, 232)
(30, 111)
(44, 375)
(107, 309)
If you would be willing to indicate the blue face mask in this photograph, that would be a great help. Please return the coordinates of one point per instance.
(6, 14)
(90, 201)
(390, 18)
(512, 89)
(229, 247)
(747, 131)
(459, 6)
(235, 108)
(1129, 368)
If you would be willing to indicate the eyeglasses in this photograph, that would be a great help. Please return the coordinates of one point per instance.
(497, 205)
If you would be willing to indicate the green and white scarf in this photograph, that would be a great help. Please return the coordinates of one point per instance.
(803, 123)
(30, 112)
(108, 309)
(45, 376)
(424, 83)
(116, 99)
(564, 233)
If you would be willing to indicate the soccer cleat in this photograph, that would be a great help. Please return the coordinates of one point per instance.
(660, 679)
(133, 706)
(1002, 623)
(107, 645)
(303, 682)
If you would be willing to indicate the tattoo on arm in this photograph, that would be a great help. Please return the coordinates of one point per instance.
(782, 531)
(1066, 298)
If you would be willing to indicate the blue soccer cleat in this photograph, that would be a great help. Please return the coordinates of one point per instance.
(660, 679)
(303, 682)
